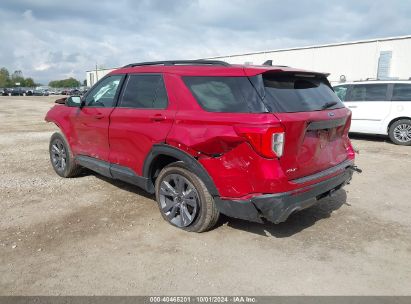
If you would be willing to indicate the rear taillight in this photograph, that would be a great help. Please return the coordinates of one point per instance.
(268, 141)
(278, 143)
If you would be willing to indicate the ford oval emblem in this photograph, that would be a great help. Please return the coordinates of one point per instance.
(331, 114)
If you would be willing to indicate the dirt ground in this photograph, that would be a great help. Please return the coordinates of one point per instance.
(93, 236)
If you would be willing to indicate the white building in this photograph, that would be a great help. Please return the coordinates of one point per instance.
(385, 58)
(95, 75)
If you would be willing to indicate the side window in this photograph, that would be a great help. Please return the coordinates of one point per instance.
(144, 92)
(341, 92)
(103, 95)
(401, 92)
(225, 94)
(369, 92)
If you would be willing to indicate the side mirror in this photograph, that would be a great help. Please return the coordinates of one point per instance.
(74, 101)
(61, 101)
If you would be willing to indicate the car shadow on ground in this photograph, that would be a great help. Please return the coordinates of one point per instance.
(120, 184)
(370, 137)
(295, 223)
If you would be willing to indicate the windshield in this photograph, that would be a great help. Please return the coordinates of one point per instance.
(297, 93)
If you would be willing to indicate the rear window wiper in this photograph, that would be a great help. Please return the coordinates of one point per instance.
(329, 104)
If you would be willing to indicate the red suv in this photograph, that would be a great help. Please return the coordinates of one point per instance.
(207, 137)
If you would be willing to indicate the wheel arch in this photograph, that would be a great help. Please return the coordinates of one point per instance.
(56, 125)
(396, 119)
(57, 115)
(59, 128)
(162, 155)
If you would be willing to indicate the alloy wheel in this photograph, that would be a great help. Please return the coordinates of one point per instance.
(58, 155)
(402, 133)
(179, 200)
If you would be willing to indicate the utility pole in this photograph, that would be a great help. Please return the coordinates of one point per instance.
(96, 73)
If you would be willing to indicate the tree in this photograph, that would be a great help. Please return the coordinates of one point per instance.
(4, 77)
(17, 75)
(65, 83)
(29, 82)
(19, 80)
(7, 80)
(85, 82)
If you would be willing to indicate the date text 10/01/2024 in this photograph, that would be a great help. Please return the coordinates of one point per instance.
(203, 299)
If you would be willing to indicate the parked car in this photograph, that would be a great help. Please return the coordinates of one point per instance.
(75, 92)
(207, 137)
(4, 92)
(65, 92)
(7, 91)
(20, 92)
(40, 93)
(379, 107)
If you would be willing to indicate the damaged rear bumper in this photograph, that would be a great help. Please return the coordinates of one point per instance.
(276, 208)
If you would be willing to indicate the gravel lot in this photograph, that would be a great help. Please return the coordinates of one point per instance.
(93, 236)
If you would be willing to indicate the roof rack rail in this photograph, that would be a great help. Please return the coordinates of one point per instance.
(179, 62)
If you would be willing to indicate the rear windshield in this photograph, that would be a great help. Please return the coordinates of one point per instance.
(263, 93)
(293, 93)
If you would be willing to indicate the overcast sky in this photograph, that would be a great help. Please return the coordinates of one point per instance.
(52, 39)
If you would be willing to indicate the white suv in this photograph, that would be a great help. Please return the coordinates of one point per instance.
(379, 107)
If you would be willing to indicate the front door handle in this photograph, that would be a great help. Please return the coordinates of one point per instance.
(157, 117)
(352, 107)
(99, 116)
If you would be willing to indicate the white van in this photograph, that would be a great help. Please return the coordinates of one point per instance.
(379, 107)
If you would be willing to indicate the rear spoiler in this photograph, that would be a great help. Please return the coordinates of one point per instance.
(298, 73)
(268, 67)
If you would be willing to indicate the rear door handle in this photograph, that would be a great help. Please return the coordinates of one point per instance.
(157, 117)
(99, 116)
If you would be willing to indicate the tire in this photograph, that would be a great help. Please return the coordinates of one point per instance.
(61, 157)
(190, 207)
(400, 132)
